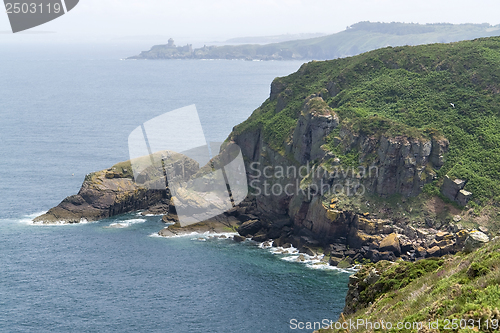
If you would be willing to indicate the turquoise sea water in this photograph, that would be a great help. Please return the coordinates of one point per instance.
(66, 111)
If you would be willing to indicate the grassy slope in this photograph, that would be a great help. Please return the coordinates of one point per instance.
(412, 87)
(464, 286)
(366, 36)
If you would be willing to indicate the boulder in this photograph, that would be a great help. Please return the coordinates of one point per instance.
(475, 240)
(441, 235)
(390, 243)
(279, 242)
(260, 237)
(463, 197)
(448, 248)
(434, 251)
(334, 261)
(461, 237)
(238, 238)
(250, 227)
(373, 255)
(451, 187)
(387, 255)
(421, 252)
(307, 250)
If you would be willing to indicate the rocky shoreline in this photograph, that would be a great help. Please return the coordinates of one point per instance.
(368, 240)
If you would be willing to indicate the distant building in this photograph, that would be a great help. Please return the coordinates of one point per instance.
(171, 43)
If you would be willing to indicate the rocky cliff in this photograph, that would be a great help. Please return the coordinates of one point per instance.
(340, 146)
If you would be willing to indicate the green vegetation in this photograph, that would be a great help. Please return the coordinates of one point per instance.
(450, 90)
(464, 286)
(358, 38)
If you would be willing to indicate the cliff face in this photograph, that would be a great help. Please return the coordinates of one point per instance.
(301, 178)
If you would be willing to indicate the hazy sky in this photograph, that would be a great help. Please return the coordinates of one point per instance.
(221, 19)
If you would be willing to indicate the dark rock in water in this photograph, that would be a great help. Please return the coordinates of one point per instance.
(238, 238)
(166, 232)
(334, 261)
(170, 218)
(279, 242)
(295, 241)
(250, 227)
(287, 245)
(307, 250)
(391, 243)
(260, 237)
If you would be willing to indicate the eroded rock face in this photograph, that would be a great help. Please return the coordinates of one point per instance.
(113, 191)
(402, 165)
(315, 122)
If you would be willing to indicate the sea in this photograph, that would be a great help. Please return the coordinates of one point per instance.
(67, 110)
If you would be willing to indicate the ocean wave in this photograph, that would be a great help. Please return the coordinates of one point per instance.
(291, 254)
(28, 219)
(196, 235)
(125, 223)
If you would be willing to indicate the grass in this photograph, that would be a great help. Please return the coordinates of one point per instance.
(464, 286)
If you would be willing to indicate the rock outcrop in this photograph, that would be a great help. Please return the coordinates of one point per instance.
(453, 190)
(113, 191)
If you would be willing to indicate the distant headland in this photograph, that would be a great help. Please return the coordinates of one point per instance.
(357, 38)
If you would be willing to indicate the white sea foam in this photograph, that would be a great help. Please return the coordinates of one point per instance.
(125, 223)
(292, 254)
(205, 235)
(28, 219)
